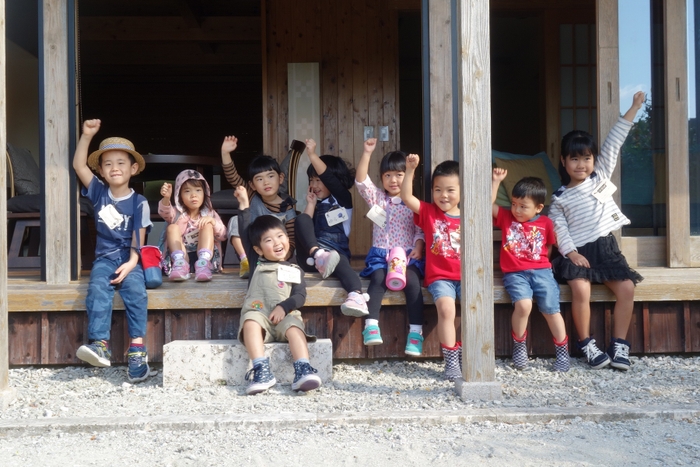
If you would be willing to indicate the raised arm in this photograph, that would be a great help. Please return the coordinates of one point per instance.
(363, 166)
(232, 176)
(496, 178)
(90, 128)
(409, 200)
(637, 102)
(316, 161)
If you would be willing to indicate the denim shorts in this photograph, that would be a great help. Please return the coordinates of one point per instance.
(540, 283)
(445, 288)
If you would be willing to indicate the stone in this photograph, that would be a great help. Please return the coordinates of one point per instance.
(200, 363)
(481, 391)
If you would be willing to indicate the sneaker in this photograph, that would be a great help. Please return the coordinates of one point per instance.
(355, 305)
(262, 378)
(372, 335)
(563, 362)
(326, 262)
(305, 378)
(202, 270)
(96, 354)
(244, 271)
(619, 353)
(453, 368)
(414, 344)
(180, 271)
(595, 357)
(520, 354)
(138, 364)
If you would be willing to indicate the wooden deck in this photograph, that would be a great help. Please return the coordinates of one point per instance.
(48, 323)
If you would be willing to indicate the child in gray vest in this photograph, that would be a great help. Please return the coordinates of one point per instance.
(270, 311)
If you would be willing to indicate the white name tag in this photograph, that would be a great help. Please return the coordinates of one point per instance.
(288, 274)
(192, 238)
(111, 217)
(336, 216)
(377, 215)
(604, 191)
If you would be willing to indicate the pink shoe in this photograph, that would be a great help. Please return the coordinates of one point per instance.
(326, 262)
(355, 305)
(180, 271)
(202, 270)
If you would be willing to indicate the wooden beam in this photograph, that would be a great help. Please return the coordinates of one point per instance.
(169, 28)
(4, 336)
(56, 160)
(677, 163)
(476, 220)
(170, 53)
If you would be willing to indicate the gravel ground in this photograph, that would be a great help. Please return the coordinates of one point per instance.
(75, 392)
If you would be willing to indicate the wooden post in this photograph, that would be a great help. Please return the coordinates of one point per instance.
(57, 166)
(6, 394)
(478, 354)
(440, 58)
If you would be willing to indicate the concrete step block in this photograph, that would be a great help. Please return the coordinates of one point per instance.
(198, 363)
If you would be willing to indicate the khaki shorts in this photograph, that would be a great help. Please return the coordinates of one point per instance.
(274, 332)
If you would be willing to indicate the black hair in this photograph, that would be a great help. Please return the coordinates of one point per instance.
(576, 143)
(338, 167)
(132, 159)
(445, 169)
(263, 224)
(394, 161)
(530, 187)
(197, 183)
(262, 163)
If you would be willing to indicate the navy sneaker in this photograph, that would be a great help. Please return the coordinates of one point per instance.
(305, 378)
(261, 376)
(596, 358)
(138, 369)
(95, 353)
(619, 353)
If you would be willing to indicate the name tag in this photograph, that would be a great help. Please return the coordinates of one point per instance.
(288, 274)
(604, 190)
(336, 216)
(192, 238)
(377, 215)
(110, 216)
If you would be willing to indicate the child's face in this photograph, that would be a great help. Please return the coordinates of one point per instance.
(524, 209)
(116, 167)
(192, 196)
(267, 184)
(274, 245)
(391, 181)
(446, 193)
(579, 167)
(319, 188)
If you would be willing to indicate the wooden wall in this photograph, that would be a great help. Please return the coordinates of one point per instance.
(356, 44)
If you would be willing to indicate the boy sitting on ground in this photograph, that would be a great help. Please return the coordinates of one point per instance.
(270, 312)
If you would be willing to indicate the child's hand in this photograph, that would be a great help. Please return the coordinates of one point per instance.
(311, 146)
(499, 174)
(122, 271)
(241, 195)
(638, 100)
(578, 259)
(370, 145)
(90, 127)
(204, 221)
(230, 144)
(166, 191)
(311, 197)
(412, 161)
(417, 251)
(277, 315)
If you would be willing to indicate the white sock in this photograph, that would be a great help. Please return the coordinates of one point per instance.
(371, 322)
(417, 328)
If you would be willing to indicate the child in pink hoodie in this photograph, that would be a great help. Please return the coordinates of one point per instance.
(194, 232)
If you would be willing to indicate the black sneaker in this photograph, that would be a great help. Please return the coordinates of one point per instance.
(138, 369)
(262, 378)
(619, 353)
(596, 358)
(305, 378)
(95, 353)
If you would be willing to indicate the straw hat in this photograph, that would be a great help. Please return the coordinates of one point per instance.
(120, 144)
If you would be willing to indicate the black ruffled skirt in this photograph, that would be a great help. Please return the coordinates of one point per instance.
(606, 260)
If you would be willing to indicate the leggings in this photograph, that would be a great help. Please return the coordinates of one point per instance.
(414, 296)
(306, 239)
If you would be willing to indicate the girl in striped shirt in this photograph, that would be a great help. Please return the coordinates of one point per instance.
(585, 215)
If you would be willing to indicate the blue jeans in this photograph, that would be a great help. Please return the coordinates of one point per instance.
(445, 288)
(101, 294)
(538, 283)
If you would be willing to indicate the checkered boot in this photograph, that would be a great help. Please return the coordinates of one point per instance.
(562, 363)
(519, 351)
(453, 367)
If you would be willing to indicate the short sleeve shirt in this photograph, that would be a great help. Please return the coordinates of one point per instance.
(524, 245)
(442, 239)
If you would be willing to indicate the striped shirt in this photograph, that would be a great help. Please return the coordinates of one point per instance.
(579, 218)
